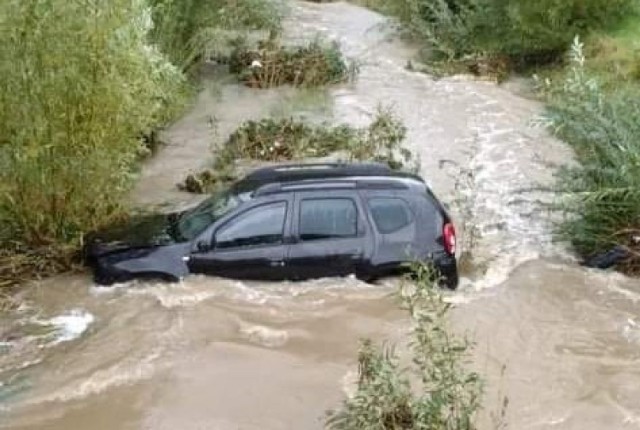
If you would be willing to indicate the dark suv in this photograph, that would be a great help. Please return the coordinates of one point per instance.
(288, 222)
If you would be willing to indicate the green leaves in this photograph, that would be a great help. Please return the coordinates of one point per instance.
(80, 83)
(447, 397)
(601, 195)
(185, 30)
(523, 31)
(291, 139)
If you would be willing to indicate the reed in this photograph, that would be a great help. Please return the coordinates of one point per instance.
(601, 198)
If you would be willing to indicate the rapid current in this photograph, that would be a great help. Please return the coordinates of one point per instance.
(560, 341)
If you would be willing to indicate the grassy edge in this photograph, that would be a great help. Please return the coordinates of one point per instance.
(435, 391)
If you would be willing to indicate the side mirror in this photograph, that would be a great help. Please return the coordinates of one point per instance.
(203, 246)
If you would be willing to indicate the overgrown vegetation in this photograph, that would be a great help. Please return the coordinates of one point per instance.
(271, 140)
(501, 34)
(603, 192)
(80, 84)
(272, 64)
(444, 396)
(186, 29)
(83, 88)
(595, 106)
(614, 56)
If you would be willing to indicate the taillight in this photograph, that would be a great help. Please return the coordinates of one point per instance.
(449, 233)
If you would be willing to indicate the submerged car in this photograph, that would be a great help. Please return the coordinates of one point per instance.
(288, 222)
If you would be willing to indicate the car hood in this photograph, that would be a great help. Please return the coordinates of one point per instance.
(143, 231)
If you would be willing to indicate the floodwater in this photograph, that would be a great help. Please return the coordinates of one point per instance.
(561, 342)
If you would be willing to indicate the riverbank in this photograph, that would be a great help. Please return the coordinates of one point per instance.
(590, 87)
(84, 92)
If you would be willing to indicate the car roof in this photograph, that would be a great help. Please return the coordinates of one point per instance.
(309, 176)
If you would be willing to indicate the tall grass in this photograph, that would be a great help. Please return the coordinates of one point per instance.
(444, 396)
(524, 32)
(603, 192)
(185, 29)
(79, 84)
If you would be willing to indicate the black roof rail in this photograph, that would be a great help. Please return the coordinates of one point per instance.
(289, 172)
(336, 184)
(277, 187)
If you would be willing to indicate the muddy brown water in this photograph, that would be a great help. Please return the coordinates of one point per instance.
(219, 354)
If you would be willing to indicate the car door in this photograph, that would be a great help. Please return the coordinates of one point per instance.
(329, 234)
(397, 230)
(249, 245)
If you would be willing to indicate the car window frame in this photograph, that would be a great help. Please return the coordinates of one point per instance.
(408, 206)
(217, 229)
(359, 231)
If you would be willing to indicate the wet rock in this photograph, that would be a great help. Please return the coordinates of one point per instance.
(607, 259)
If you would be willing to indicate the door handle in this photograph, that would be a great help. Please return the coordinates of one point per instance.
(276, 263)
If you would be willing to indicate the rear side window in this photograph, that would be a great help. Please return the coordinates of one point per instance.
(390, 214)
(328, 219)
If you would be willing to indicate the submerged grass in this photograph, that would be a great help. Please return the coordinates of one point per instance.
(272, 64)
(19, 263)
(444, 394)
(276, 140)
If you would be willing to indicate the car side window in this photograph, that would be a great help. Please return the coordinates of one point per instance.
(390, 214)
(328, 219)
(263, 225)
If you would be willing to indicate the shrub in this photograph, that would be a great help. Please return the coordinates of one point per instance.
(184, 29)
(602, 194)
(79, 85)
(523, 31)
(539, 32)
(447, 395)
(272, 64)
(286, 139)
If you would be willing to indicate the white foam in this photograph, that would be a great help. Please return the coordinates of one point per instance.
(123, 373)
(265, 336)
(70, 325)
(631, 331)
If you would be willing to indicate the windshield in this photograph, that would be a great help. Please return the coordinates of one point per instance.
(194, 221)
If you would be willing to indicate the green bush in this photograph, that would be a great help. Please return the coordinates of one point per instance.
(539, 31)
(602, 193)
(79, 85)
(526, 32)
(184, 29)
(287, 139)
(84, 88)
(446, 397)
(273, 64)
